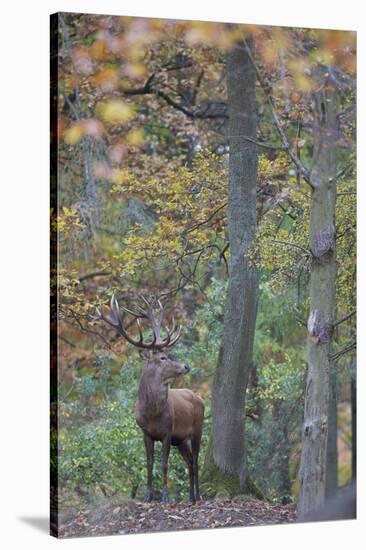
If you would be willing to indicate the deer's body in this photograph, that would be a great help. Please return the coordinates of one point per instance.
(180, 412)
(188, 410)
(172, 416)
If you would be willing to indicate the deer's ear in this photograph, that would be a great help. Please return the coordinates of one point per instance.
(145, 353)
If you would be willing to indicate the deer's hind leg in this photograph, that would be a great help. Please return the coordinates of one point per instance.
(185, 451)
(196, 443)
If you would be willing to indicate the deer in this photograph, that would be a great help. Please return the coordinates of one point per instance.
(172, 416)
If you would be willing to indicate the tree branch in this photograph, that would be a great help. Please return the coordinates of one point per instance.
(149, 89)
(222, 255)
(266, 88)
(341, 172)
(301, 321)
(302, 248)
(346, 231)
(197, 86)
(67, 341)
(343, 351)
(207, 220)
(261, 143)
(73, 316)
(345, 318)
(94, 274)
(286, 211)
(173, 103)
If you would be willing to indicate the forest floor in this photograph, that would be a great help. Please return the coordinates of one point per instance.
(138, 517)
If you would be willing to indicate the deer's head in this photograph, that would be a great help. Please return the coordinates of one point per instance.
(165, 364)
(156, 352)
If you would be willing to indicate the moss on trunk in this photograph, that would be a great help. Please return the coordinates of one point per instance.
(215, 483)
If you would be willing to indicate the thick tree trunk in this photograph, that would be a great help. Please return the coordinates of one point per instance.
(322, 300)
(225, 470)
(331, 478)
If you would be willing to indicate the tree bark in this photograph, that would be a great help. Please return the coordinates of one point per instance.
(331, 478)
(89, 194)
(225, 465)
(312, 472)
(354, 424)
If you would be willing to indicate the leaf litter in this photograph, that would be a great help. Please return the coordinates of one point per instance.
(139, 517)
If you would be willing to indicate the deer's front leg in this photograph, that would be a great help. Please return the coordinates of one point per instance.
(165, 458)
(149, 446)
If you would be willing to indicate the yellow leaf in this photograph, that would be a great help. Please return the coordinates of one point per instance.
(74, 133)
(135, 138)
(115, 111)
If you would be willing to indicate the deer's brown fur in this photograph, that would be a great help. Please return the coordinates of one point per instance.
(172, 416)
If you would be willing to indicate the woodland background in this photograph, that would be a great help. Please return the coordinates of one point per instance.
(143, 162)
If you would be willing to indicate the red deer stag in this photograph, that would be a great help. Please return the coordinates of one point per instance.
(172, 416)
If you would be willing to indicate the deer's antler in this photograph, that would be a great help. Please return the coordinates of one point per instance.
(150, 309)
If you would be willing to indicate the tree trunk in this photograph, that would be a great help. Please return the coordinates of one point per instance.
(354, 424)
(322, 300)
(225, 464)
(331, 478)
(89, 195)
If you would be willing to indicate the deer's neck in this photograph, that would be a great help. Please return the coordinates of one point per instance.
(152, 394)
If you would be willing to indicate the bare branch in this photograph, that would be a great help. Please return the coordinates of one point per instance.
(345, 318)
(266, 88)
(261, 143)
(75, 318)
(302, 248)
(343, 351)
(353, 226)
(341, 172)
(301, 321)
(222, 255)
(94, 274)
(207, 220)
(195, 113)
